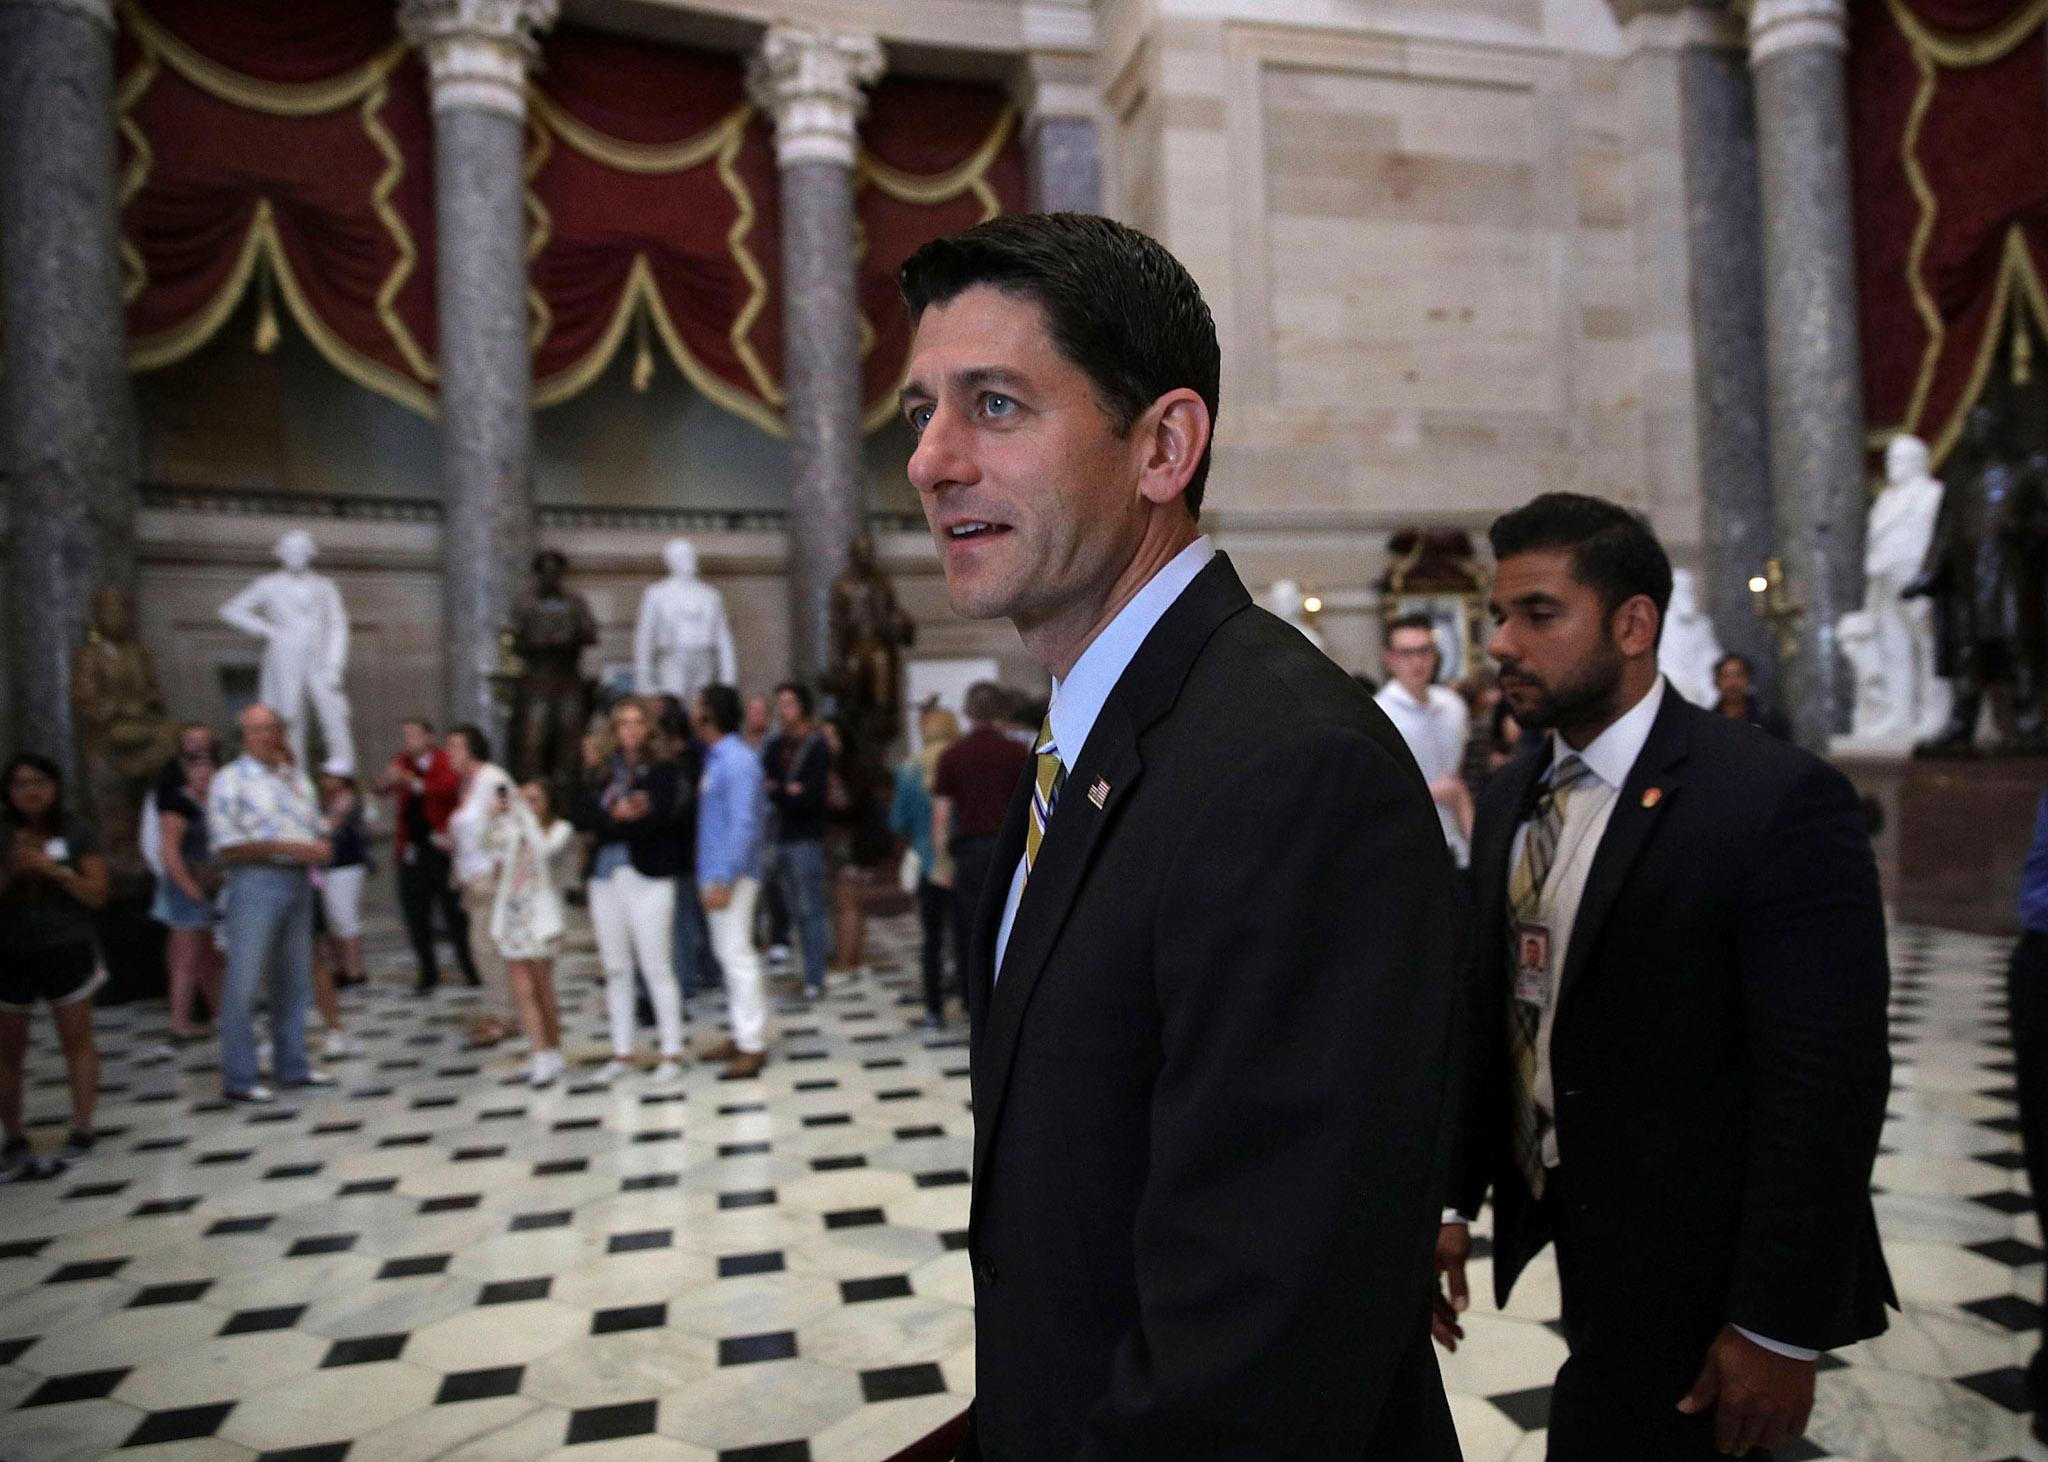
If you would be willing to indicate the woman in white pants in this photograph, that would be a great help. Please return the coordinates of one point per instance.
(731, 811)
(631, 811)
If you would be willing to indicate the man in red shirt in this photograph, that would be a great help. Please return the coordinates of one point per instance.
(427, 791)
(977, 775)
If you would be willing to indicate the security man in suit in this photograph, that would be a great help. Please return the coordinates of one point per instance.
(1212, 983)
(1676, 1019)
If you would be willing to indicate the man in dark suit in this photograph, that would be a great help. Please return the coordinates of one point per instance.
(1676, 1014)
(1212, 984)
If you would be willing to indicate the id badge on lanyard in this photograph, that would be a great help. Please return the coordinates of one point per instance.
(1532, 963)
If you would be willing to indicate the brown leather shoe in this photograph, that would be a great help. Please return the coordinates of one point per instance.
(725, 1050)
(745, 1064)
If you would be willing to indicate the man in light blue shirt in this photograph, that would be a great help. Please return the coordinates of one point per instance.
(731, 811)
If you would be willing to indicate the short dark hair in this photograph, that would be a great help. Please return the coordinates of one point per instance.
(1120, 308)
(1613, 551)
(987, 701)
(722, 705)
(1417, 620)
(801, 691)
(473, 737)
(554, 556)
(1738, 658)
(36, 762)
(420, 721)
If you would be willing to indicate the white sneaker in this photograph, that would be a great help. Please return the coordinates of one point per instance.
(668, 1071)
(613, 1069)
(338, 1044)
(257, 1095)
(778, 954)
(543, 1069)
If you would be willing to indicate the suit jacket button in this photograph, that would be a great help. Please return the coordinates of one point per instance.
(985, 1271)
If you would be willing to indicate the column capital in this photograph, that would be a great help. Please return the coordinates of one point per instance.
(1677, 25)
(100, 12)
(1049, 84)
(478, 52)
(812, 82)
(1777, 26)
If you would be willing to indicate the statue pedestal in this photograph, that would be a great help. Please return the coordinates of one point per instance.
(1955, 834)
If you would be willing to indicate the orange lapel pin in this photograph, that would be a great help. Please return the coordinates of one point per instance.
(1652, 796)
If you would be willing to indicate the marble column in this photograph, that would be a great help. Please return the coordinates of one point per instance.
(1699, 94)
(1058, 99)
(811, 82)
(1815, 376)
(68, 405)
(478, 53)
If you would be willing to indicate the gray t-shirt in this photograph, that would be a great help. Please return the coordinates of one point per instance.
(34, 912)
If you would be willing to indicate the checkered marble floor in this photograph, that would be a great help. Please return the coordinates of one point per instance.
(435, 1262)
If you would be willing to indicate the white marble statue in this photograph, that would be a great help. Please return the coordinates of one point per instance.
(1690, 648)
(299, 616)
(682, 643)
(1890, 641)
(1284, 599)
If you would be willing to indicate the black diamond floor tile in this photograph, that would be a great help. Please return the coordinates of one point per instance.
(252, 1322)
(609, 1423)
(182, 1425)
(78, 1386)
(479, 1385)
(885, 1287)
(2009, 1310)
(170, 1294)
(2006, 1386)
(628, 1317)
(513, 1291)
(1529, 1410)
(897, 1383)
(743, 1350)
(732, 1266)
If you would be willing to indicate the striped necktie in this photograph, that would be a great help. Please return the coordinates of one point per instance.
(1525, 903)
(1045, 794)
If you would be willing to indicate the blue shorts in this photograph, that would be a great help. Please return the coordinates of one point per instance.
(176, 909)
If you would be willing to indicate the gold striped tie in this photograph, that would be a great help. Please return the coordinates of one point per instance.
(1525, 1020)
(1045, 794)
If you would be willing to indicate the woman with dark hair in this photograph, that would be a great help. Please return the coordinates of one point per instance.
(52, 876)
(188, 888)
(629, 808)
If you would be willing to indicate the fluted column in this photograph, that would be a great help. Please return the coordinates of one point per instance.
(69, 408)
(1815, 377)
(478, 53)
(811, 82)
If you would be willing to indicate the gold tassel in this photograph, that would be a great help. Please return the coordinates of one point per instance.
(266, 313)
(2022, 345)
(643, 355)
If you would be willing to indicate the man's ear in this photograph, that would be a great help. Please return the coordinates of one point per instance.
(1172, 434)
(1635, 624)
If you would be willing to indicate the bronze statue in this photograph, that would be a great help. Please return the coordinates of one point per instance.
(1983, 569)
(124, 734)
(550, 700)
(870, 631)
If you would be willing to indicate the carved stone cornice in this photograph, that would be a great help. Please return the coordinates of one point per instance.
(812, 82)
(1778, 26)
(478, 52)
(100, 12)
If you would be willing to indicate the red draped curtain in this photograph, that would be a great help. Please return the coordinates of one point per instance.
(285, 146)
(1949, 133)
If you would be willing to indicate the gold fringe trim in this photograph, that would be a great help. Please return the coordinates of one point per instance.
(640, 293)
(538, 233)
(1964, 51)
(261, 245)
(134, 86)
(640, 158)
(303, 99)
(1923, 235)
(946, 186)
(765, 385)
(2018, 282)
(394, 224)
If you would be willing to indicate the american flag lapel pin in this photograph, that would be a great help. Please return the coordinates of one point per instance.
(1099, 793)
(1652, 796)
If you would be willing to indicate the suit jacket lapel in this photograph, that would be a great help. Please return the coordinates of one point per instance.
(1494, 841)
(1636, 814)
(995, 894)
(1145, 692)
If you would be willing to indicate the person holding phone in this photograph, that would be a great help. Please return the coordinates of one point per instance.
(476, 859)
(53, 876)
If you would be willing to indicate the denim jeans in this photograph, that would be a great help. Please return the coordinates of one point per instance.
(269, 928)
(800, 869)
(696, 963)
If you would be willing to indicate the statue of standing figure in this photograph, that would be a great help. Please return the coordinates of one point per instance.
(551, 628)
(1890, 641)
(870, 631)
(299, 617)
(124, 734)
(682, 642)
(1690, 649)
(1983, 570)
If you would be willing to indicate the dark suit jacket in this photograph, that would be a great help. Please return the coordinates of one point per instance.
(654, 842)
(1211, 1087)
(1718, 1055)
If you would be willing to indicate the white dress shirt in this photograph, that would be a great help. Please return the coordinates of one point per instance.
(488, 792)
(1436, 729)
(1078, 700)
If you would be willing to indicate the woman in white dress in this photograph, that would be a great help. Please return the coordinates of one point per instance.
(526, 919)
